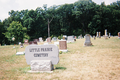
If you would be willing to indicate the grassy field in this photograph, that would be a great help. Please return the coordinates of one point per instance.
(98, 62)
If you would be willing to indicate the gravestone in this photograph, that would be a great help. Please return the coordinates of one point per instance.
(119, 35)
(32, 43)
(49, 40)
(54, 39)
(42, 57)
(94, 37)
(26, 42)
(21, 45)
(106, 36)
(70, 39)
(64, 37)
(87, 40)
(99, 34)
(36, 40)
(75, 38)
(40, 39)
(109, 35)
(63, 45)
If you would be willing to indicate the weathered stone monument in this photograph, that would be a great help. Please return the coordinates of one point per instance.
(42, 57)
(99, 34)
(40, 39)
(106, 36)
(94, 37)
(26, 42)
(87, 40)
(63, 45)
(109, 35)
(119, 35)
(64, 37)
(70, 39)
(49, 40)
(75, 38)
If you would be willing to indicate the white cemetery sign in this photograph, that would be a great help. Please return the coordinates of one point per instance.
(42, 52)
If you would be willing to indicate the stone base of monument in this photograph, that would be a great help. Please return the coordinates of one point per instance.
(41, 66)
(63, 50)
(87, 44)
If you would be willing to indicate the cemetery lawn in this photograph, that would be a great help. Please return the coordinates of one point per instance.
(98, 62)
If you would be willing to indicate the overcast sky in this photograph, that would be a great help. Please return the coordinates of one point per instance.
(8, 5)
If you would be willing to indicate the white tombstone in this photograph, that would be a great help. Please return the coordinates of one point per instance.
(40, 39)
(42, 55)
(87, 40)
(97, 34)
(70, 39)
(106, 32)
(106, 36)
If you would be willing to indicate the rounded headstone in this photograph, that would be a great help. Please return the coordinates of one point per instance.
(42, 52)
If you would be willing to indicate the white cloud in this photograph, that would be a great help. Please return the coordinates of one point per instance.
(107, 2)
(8, 5)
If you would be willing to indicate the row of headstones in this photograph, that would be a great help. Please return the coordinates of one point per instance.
(44, 57)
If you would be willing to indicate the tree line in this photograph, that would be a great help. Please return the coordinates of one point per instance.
(81, 17)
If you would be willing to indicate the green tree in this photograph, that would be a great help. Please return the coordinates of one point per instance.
(17, 31)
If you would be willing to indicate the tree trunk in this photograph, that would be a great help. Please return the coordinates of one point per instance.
(48, 28)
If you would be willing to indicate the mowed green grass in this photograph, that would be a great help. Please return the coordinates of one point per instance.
(98, 62)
